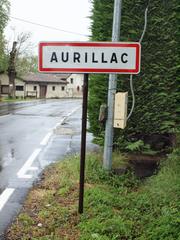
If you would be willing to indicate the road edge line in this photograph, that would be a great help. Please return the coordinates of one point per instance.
(27, 164)
(5, 195)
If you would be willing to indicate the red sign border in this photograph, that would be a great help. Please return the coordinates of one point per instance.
(90, 70)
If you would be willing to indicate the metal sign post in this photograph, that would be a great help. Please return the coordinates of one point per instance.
(83, 143)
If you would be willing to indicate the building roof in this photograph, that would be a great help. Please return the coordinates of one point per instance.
(46, 78)
(4, 79)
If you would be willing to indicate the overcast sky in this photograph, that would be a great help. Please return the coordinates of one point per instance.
(67, 15)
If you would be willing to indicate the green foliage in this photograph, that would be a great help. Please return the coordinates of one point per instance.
(26, 219)
(4, 12)
(140, 147)
(26, 64)
(144, 211)
(25, 61)
(96, 174)
(157, 87)
(135, 146)
(98, 93)
(102, 16)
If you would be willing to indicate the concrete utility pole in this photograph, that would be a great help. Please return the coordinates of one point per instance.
(12, 70)
(108, 144)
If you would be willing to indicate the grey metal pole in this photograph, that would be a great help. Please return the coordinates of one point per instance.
(108, 142)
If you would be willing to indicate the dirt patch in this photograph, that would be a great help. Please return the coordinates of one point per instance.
(144, 165)
(47, 213)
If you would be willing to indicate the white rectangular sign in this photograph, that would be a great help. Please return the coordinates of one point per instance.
(120, 109)
(89, 57)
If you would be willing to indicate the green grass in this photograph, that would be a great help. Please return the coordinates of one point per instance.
(115, 207)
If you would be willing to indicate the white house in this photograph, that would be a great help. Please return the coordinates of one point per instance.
(4, 86)
(42, 85)
(75, 85)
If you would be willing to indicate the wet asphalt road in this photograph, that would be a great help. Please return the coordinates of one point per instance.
(32, 136)
(11, 107)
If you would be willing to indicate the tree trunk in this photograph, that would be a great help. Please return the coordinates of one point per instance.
(12, 71)
(0, 89)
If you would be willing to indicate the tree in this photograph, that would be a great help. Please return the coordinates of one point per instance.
(24, 45)
(4, 13)
(12, 70)
(20, 60)
(26, 64)
(155, 118)
(25, 61)
(101, 27)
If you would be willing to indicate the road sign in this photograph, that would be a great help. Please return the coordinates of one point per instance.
(89, 57)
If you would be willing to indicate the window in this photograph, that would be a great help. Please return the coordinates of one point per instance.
(4, 89)
(71, 80)
(53, 88)
(35, 88)
(62, 88)
(19, 88)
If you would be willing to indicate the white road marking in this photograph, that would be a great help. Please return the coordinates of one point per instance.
(5, 195)
(27, 166)
(46, 139)
(74, 110)
(64, 118)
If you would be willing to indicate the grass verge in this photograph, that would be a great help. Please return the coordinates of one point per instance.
(116, 207)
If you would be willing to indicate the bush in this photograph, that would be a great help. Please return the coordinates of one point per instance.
(157, 87)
